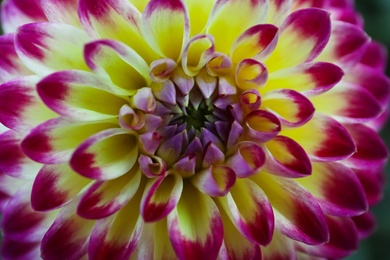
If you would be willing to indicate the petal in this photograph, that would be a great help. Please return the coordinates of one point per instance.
(215, 181)
(293, 108)
(116, 237)
(116, 61)
(281, 247)
(14, 249)
(258, 41)
(48, 47)
(198, 14)
(327, 184)
(250, 211)
(55, 140)
(310, 78)
(104, 198)
(349, 104)
(68, 237)
(297, 213)
(251, 74)
(306, 32)
(323, 138)
(162, 18)
(13, 161)
(106, 155)
(343, 240)
(365, 224)
(61, 11)
(152, 166)
(372, 180)
(118, 20)
(10, 64)
(55, 185)
(287, 158)
(370, 148)
(222, 21)
(20, 107)
(262, 125)
(346, 45)
(160, 197)
(375, 56)
(79, 95)
(15, 13)
(278, 11)
(195, 226)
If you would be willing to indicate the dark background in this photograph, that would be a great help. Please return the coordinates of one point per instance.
(376, 14)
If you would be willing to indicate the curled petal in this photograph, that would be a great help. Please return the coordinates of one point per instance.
(251, 74)
(48, 47)
(165, 92)
(149, 142)
(262, 125)
(287, 158)
(250, 100)
(215, 181)
(219, 65)
(130, 119)
(198, 211)
(161, 196)
(305, 31)
(106, 155)
(248, 159)
(152, 166)
(160, 19)
(297, 213)
(161, 70)
(293, 108)
(104, 198)
(323, 138)
(327, 184)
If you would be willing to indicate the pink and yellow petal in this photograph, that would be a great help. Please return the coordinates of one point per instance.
(48, 47)
(278, 11)
(195, 226)
(281, 247)
(106, 155)
(198, 14)
(61, 11)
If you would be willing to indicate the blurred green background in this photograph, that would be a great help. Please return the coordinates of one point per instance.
(376, 14)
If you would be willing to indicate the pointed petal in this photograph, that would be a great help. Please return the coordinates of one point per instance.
(106, 155)
(20, 107)
(48, 47)
(250, 211)
(68, 237)
(61, 11)
(365, 224)
(309, 78)
(281, 247)
(293, 108)
(222, 21)
(162, 18)
(54, 141)
(297, 213)
(195, 226)
(287, 158)
(372, 180)
(13, 161)
(327, 184)
(79, 95)
(55, 185)
(375, 56)
(323, 138)
(160, 197)
(306, 32)
(104, 198)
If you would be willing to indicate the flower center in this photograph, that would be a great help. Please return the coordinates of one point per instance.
(196, 117)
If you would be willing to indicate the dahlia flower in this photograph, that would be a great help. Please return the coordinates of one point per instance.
(185, 129)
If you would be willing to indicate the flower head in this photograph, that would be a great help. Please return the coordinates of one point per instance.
(164, 129)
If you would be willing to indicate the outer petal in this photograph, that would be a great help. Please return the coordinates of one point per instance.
(115, 19)
(373, 181)
(13, 161)
(323, 138)
(162, 18)
(198, 14)
(306, 32)
(15, 13)
(297, 213)
(55, 185)
(55, 140)
(106, 155)
(68, 237)
(365, 224)
(79, 95)
(223, 24)
(195, 226)
(10, 64)
(48, 47)
(20, 107)
(281, 247)
(64, 11)
(117, 236)
(16, 250)
(375, 56)
(250, 211)
(327, 184)
(278, 11)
